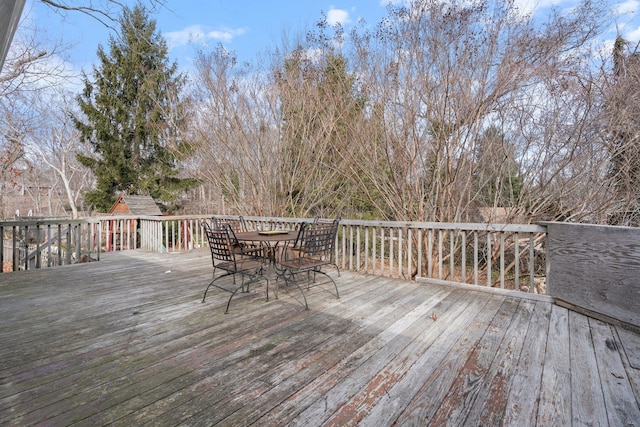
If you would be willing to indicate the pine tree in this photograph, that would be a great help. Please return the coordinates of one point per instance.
(132, 116)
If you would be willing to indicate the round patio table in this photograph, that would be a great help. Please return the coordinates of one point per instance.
(268, 239)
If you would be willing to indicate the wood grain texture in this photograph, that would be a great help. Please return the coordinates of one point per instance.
(597, 268)
(555, 397)
(126, 341)
(587, 398)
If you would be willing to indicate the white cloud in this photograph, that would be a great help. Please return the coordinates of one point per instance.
(191, 34)
(226, 34)
(337, 17)
(200, 35)
(628, 7)
(528, 7)
(633, 36)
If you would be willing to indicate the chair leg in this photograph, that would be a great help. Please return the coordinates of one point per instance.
(216, 278)
(292, 278)
(337, 268)
(241, 287)
(229, 302)
(332, 281)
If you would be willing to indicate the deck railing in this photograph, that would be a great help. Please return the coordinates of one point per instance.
(29, 244)
(502, 256)
(593, 268)
(493, 255)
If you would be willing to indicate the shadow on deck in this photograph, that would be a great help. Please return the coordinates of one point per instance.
(127, 341)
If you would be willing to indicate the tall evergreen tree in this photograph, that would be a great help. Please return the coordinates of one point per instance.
(132, 116)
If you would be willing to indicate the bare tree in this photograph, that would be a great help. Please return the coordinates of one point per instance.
(234, 134)
(31, 64)
(319, 103)
(622, 94)
(439, 75)
(445, 108)
(105, 12)
(30, 70)
(56, 142)
(11, 153)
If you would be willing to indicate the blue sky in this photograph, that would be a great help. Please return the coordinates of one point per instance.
(248, 27)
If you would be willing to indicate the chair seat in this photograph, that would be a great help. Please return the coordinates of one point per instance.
(241, 265)
(314, 248)
(303, 263)
(233, 260)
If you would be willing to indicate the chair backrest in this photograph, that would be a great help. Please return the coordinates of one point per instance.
(237, 225)
(319, 240)
(299, 237)
(219, 243)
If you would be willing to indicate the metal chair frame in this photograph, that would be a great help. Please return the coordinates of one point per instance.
(313, 250)
(249, 262)
(234, 226)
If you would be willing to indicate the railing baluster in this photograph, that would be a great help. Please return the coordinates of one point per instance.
(382, 245)
(26, 247)
(2, 249)
(475, 258)
(489, 260)
(532, 256)
(419, 267)
(463, 245)
(344, 246)
(69, 251)
(502, 260)
(391, 252)
(374, 252)
(400, 244)
(430, 253)
(358, 265)
(409, 253)
(14, 242)
(451, 255)
(366, 249)
(440, 255)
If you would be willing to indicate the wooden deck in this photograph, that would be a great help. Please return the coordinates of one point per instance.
(126, 341)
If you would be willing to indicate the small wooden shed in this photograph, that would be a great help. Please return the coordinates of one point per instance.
(135, 205)
(119, 234)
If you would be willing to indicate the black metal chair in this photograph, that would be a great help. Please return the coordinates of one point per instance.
(292, 249)
(233, 261)
(295, 248)
(314, 249)
(235, 226)
(336, 222)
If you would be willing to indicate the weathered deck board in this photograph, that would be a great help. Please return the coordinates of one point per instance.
(431, 377)
(587, 400)
(613, 378)
(522, 403)
(126, 341)
(555, 399)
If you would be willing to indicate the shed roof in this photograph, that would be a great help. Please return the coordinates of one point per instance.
(135, 205)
